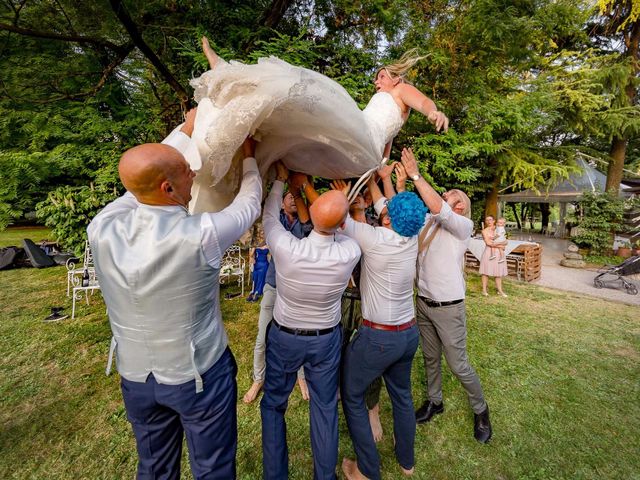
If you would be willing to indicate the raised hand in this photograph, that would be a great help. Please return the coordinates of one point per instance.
(385, 170)
(296, 180)
(439, 120)
(282, 173)
(189, 121)
(409, 162)
(249, 147)
(341, 186)
(401, 178)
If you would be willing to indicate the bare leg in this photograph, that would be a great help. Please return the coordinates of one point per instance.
(304, 390)
(499, 286)
(484, 285)
(209, 53)
(493, 253)
(351, 471)
(374, 420)
(252, 393)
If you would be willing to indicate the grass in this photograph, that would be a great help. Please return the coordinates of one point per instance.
(560, 372)
(13, 236)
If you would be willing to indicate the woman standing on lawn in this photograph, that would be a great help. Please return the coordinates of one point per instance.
(490, 265)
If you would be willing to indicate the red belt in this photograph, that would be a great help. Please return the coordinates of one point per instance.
(390, 328)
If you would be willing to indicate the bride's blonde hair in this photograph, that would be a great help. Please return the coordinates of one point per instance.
(400, 68)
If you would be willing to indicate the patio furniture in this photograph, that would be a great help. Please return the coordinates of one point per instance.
(233, 265)
(83, 284)
(74, 273)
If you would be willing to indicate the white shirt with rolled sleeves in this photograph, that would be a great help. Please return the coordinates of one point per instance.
(311, 273)
(219, 230)
(441, 267)
(387, 274)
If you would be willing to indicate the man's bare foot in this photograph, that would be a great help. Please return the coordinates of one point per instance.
(253, 392)
(374, 420)
(351, 471)
(209, 53)
(304, 390)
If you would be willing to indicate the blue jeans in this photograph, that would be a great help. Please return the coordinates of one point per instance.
(159, 414)
(371, 354)
(320, 356)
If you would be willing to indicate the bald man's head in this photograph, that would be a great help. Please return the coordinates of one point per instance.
(156, 174)
(329, 211)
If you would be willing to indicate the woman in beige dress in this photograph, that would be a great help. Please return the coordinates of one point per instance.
(490, 266)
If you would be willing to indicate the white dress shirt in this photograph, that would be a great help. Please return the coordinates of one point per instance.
(219, 230)
(441, 268)
(311, 273)
(388, 272)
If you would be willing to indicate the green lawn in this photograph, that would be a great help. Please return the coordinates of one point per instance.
(13, 236)
(560, 372)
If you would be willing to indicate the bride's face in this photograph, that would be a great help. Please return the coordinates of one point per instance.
(384, 82)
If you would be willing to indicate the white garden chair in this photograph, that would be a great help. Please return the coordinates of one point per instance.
(79, 289)
(75, 271)
(233, 265)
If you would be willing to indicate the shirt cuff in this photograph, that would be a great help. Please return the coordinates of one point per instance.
(249, 164)
(178, 140)
(445, 211)
(380, 205)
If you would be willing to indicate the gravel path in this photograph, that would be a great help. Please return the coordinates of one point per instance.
(574, 279)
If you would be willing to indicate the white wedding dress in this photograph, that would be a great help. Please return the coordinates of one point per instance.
(299, 116)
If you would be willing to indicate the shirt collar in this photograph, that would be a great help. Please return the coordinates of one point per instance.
(165, 208)
(318, 238)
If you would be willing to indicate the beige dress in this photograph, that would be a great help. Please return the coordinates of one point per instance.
(491, 267)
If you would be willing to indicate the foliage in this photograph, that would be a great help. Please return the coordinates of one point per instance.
(601, 217)
(68, 211)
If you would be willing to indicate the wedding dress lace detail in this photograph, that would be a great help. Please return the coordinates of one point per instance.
(299, 116)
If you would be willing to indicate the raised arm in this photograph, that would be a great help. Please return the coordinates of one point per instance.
(234, 220)
(401, 178)
(384, 172)
(296, 182)
(417, 100)
(274, 230)
(430, 197)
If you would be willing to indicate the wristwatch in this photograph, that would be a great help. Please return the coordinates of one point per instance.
(415, 177)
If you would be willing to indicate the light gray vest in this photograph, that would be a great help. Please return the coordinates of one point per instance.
(161, 295)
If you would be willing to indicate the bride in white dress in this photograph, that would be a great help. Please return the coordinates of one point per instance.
(300, 117)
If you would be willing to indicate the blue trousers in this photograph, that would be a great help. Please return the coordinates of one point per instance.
(320, 356)
(371, 354)
(159, 414)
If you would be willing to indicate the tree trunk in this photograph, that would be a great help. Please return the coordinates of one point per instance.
(545, 212)
(515, 214)
(491, 205)
(616, 164)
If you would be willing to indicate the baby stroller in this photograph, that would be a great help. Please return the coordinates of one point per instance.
(629, 267)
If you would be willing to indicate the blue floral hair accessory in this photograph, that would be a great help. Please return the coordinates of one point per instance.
(407, 213)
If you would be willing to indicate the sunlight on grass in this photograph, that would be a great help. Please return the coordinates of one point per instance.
(560, 373)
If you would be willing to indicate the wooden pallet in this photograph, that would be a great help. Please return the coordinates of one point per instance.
(524, 263)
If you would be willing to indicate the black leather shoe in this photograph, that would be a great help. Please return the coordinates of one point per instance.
(426, 412)
(482, 426)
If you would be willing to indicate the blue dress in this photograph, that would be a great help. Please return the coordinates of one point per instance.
(260, 269)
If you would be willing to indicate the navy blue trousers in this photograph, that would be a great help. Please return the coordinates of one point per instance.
(159, 414)
(320, 356)
(371, 354)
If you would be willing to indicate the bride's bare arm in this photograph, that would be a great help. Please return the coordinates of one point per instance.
(414, 98)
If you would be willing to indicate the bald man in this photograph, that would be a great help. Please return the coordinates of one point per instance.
(311, 275)
(159, 272)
